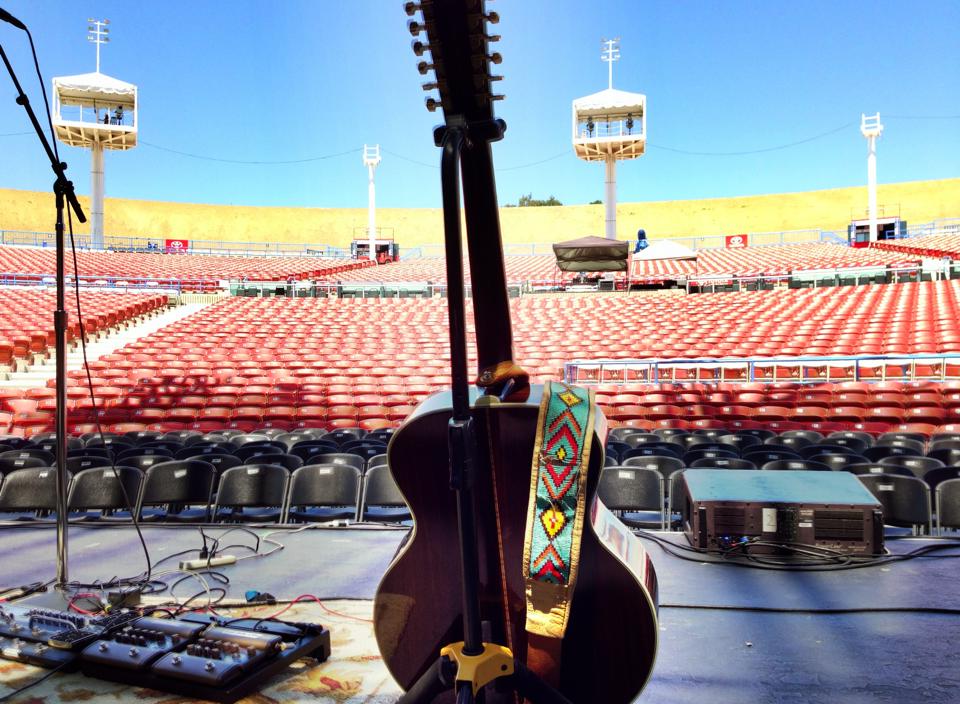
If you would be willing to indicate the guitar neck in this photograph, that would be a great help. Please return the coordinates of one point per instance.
(491, 306)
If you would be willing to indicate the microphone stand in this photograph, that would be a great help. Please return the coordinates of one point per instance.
(63, 191)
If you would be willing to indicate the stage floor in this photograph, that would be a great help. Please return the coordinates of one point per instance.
(707, 654)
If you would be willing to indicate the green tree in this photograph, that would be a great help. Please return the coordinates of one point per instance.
(528, 201)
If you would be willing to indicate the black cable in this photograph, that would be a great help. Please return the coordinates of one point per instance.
(83, 336)
(10, 695)
(257, 163)
(25, 590)
(812, 561)
(223, 595)
(755, 151)
(218, 576)
(93, 403)
(828, 611)
(43, 90)
(173, 555)
(921, 117)
(215, 548)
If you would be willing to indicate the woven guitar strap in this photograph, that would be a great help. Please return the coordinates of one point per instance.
(556, 512)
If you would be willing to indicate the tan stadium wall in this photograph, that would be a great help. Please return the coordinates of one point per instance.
(916, 201)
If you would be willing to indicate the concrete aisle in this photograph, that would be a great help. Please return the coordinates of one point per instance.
(39, 374)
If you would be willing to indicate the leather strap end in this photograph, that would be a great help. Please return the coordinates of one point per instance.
(503, 375)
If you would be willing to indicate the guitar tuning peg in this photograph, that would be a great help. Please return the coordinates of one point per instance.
(430, 86)
(415, 27)
(492, 17)
(419, 47)
(432, 104)
(492, 78)
(495, 58)
(423, 67)
(497, 97)
(411, 8)
(493, 38)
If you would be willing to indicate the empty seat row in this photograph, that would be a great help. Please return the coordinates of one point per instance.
(634, 492)
(194, 491)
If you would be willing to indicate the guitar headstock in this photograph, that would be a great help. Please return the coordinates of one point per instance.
(459, 56)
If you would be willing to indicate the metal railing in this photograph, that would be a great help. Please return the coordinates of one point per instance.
(112, 283)
(121, 243)
(818, 278)
(602, 127)
(800, 369)
(132, 243)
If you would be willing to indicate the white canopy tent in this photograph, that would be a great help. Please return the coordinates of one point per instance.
(609, 99)
(665, 249)
(85, 87)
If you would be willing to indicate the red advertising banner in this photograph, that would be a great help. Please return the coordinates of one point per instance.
(736, 241)
(177, 245)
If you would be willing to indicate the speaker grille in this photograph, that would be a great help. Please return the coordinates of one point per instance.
(727, 520)
(830, 524)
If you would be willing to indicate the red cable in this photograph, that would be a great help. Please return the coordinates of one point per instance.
(311, 597)
(85, 595)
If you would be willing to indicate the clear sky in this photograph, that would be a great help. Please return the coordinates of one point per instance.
(298, 79)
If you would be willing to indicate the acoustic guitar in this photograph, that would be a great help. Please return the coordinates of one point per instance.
(609, 646)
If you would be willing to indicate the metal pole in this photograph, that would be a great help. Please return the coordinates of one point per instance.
(610, 198)
(872, 185)
(96, 194)
(63, 191)
(372, 215)
(60, 334)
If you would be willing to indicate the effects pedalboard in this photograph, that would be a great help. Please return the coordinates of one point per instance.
(196, 655)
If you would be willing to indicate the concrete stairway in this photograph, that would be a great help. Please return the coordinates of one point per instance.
(38, 374)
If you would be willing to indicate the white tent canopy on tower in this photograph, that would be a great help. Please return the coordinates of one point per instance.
(91, 86)
(609, 99)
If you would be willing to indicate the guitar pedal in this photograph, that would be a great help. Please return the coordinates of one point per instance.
(36, 624)
(34, 653)
(137, 646)
(220, 655)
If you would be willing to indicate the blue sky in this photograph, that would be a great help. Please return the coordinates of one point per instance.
(296, 79)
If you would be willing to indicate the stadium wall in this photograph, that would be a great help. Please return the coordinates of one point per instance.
(917, 201)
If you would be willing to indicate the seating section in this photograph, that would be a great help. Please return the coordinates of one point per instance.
(773, 260)
(367, 362)
(26, 318)
(936, 246)
(345, 479)
(202, 272)
(192, 272)
(892, 466)
(533, 268)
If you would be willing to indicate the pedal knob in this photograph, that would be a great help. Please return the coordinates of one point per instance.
(176, 660)
(134, 652)
(102, 647)
(208, 666)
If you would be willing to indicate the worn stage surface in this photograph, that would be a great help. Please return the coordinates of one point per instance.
(715, 655)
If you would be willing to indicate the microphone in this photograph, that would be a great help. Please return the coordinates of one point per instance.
(7, 17)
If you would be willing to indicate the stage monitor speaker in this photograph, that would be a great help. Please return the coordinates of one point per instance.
(722, 508)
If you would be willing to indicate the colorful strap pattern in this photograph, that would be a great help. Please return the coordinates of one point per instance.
(555, 514)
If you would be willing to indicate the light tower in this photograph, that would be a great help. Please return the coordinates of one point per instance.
(371, 158)
(96, 111)
(608, 126)
(871, 128)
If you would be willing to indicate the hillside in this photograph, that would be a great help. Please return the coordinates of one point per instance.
(918, 202)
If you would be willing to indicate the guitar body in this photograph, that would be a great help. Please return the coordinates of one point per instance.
(608, 651)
